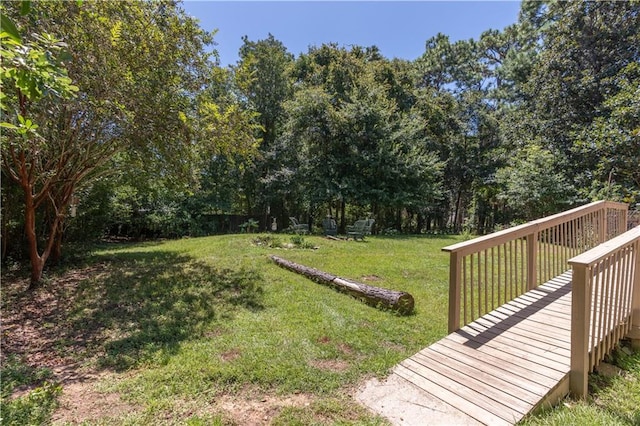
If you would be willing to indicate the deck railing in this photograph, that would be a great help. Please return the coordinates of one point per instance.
(491, 270)
(605, 303)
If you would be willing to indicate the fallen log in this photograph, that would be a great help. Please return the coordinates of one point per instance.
(398, 301)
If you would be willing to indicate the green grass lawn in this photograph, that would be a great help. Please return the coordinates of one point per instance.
(206, 330)
(186, 323)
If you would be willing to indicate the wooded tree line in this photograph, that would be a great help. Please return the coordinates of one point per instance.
(118, 120)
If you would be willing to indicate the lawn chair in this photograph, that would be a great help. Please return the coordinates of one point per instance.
(297, 227)
(359, 229)
(330, 226)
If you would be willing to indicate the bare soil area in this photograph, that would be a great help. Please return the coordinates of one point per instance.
(33, 327)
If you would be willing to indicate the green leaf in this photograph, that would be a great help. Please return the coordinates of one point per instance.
(8, 125)
(25, 7)
(9, 29)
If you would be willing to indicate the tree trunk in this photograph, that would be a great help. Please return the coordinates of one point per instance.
(56, 250)
(399, 301)
(419, 222)
(37, 262)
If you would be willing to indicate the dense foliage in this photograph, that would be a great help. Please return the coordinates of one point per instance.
(155, 138)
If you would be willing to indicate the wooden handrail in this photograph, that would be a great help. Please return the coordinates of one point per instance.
(520, 231)
(507, 263)
(596, 254)
(605, 303)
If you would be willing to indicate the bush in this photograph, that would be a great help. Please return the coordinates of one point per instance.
(268, 241)
(299, 242)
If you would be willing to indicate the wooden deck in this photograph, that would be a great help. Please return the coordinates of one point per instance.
(493, 371)
(529, 352)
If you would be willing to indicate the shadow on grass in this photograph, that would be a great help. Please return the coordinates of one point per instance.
(153, 301)
(142, 305)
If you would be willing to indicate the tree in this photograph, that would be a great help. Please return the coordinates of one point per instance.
(459, 81)
(532, 186)
(136, 69)
(585, 49)
(261, 78)
(355, 145)
(614, 141)
(35, 72)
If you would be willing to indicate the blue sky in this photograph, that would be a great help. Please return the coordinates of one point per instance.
(399, 29)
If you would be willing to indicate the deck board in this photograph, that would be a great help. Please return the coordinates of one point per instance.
(478, 335)
(501, 366)
(488, 382)
(524, 372)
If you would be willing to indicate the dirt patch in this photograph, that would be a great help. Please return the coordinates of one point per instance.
(371, 278)
(346, 349)
(231, 355)
(80, 402)
(334, 365)
(217, 332)
(259, 409)
(394, 346)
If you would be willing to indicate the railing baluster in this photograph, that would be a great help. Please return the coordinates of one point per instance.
(499, 276)
(561, 258)
(486, 281)
(556, 254)
(511, 270)
(550, 261)
(576, 248)
(606, 306)
(465, 292)
(599, 336)
(544, 257)
(506, 272)
(634, 332)
(493, 278)
(617, 299)
(521, 267)
(472, 285)
(565, 245)
(593, 342)
(479, 285)
(532, 254)
(554, 268)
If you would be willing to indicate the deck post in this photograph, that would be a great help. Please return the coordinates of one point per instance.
(580, 319)
(454, 291)
(634, 334)
(532, 260)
